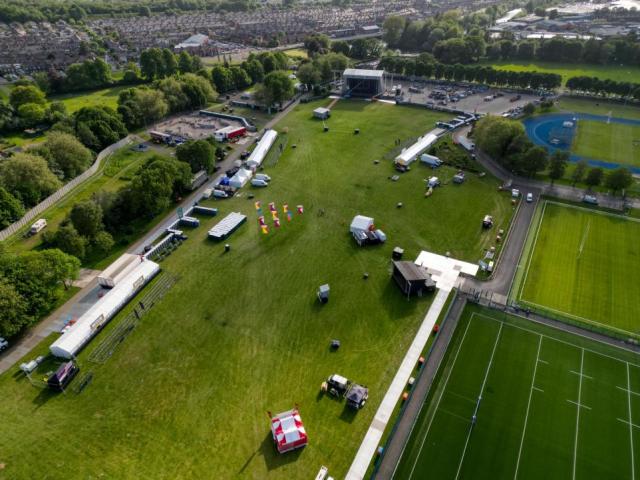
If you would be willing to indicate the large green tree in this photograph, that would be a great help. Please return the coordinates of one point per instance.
(279, 85)
(10, 209)
(86, 217)
(65, 154)
(619, 179)
(199, 154)
(28, 178)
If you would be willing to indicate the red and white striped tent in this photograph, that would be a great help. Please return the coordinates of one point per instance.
(288, 431)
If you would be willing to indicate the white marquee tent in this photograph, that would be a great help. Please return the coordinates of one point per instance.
(89, 324)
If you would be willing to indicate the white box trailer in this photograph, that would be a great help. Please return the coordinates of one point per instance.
(119, 269)
(430, 160)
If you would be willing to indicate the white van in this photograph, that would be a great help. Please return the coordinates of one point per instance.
(38, 226)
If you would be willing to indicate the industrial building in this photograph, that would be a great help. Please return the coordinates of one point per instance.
(362, 83)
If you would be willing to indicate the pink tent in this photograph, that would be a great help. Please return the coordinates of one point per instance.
(288, 431)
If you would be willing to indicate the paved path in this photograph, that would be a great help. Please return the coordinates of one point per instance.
(563, 192)
(368, 447)
(90, 293)
(419, 392)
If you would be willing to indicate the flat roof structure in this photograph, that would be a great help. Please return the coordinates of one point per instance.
(408, 155)
(262, 148)
(363, 73)
(227, 226)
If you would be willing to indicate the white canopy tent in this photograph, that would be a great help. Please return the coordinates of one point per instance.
(360, 223)
(89, 324)
(408, 155)
(262, 148)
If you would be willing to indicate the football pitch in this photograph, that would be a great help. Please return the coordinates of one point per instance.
(547, 404)
(609, 142)
(583, 264)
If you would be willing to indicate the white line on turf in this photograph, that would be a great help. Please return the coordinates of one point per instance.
(627, 422)
(633, 471)
(543, 361)
(575, 334)
(584, 238)
(532, 251)
(581, 374)
(444, 388)
(578, 404)
(575, 445)
(625, 389)
(484, 382)
(538, 389)
(526, 417)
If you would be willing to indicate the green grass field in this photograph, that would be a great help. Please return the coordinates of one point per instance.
(603, 72)
(554, 405)
(598, 107)
(241, 333)
(583, 264)
(107, 97)
(611, 142)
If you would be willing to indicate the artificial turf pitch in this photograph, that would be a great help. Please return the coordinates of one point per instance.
(554, 405)
(584, 264)
(610, 142)
(241, 333)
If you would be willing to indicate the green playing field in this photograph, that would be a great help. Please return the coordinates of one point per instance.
(553, 405)
(584, 264)
(610, 142)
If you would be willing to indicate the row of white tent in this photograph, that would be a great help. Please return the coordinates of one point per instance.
(409, 154)
(90, 323)
(243, 176)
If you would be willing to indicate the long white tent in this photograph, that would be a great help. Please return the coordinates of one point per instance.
(89, 324)
(408, 155)
(262, 148)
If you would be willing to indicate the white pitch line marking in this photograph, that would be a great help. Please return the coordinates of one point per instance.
(631, 392)
(627, 422)
(579, 405)
(582, 374)
(575, 445)
(444, 389)
(543, 361)
(631, 425)
(484, 382)
(526, 417)
(538, 389)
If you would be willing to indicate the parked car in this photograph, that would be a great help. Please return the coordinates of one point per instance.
(262, 176)
(529, 197)
(220, 194)
(3, 344)
(590, 199)
(256, 182)
(515, 193)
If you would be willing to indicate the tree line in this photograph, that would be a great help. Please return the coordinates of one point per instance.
(426, 66)
(594, 85)
(505, 141)
(613, 51)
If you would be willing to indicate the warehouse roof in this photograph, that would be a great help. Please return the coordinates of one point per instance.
(361, 73)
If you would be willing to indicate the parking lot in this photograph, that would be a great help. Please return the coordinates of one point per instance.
(469, 98)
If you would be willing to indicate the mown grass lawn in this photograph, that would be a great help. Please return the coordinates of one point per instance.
(583, 264)
(242, 333)
(107, 97)
(611, 142)
(599, 107)
(603, 72)
(532, 380)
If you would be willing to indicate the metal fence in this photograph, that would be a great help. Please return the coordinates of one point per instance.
(59, 194)
(108, 345)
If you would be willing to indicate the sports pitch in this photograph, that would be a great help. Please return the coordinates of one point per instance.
(584, 264)
(609, 142)
(554, 405)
